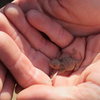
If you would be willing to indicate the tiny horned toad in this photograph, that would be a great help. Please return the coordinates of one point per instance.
(64, 63)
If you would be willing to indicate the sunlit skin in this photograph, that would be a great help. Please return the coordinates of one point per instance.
(85, 79)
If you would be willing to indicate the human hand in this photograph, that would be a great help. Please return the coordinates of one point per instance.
(84, 79)
(7, 84)
(80, 85)
(82, 56)
(88, 87)
(17, 53)
(83, 84)
(78, 17)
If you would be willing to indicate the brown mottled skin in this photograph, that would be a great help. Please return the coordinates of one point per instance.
(64, 63)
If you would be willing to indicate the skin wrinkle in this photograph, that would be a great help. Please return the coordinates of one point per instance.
(70, 13)
(91, 51)
(16, 36)
(70, 24)
(84, 57)
(2, 46)
(90, 77)
(22, 49)
(84, 52)
(53, 11)
(46, 7)
(86, 86)
(31, 31)
(2, 41)
(41, 91)
(50, 10)
(54, 30)
(16, 61)
(76, 8)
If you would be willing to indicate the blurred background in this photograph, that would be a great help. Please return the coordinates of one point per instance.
(4, 2)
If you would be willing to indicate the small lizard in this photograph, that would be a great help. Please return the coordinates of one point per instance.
(65, 63)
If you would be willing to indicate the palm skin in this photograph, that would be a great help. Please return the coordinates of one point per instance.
(84, 79)
(22, 51)
(78, 17)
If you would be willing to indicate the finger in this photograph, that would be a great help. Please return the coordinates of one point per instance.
(19, 65)
(77, 51)
(91, 73)
(42, 93)
(77, 48)
(38, 59)
(53, 30)
(96, 58)
(88, 90)
(93, 49)
(8, 88)
(24, 4)
(8, 28)
(16, 16)
(2, 75)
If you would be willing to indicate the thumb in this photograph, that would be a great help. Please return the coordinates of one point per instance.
(85, 91)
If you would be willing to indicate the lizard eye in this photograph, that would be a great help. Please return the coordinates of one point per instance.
(55, 64)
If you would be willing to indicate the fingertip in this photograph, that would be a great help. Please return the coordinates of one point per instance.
(50, 27)
(35, 17)
(12, 10)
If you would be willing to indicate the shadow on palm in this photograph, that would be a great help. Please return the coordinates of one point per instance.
(40, 51)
